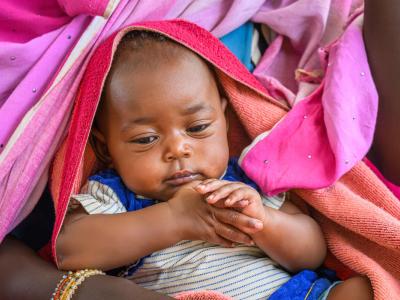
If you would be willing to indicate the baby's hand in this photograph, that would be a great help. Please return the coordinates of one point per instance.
(201, 221)
(237, 195)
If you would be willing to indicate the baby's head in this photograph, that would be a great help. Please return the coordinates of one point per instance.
(161, 121)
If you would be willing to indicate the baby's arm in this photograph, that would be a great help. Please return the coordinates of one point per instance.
(109, 241)
(288, 236)
(291, 238)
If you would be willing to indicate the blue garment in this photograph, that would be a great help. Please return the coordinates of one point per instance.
(306, 284)
(239, 43)
(128, 198)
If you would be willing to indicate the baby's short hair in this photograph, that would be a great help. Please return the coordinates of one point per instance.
(138, 39)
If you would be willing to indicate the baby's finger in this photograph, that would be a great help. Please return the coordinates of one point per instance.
(240, 204)
(210, 185)
(236, 196)
(223, 191)
(230, 233)
(238, 220)
(221, 204)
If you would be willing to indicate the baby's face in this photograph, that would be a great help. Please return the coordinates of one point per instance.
(164, 125)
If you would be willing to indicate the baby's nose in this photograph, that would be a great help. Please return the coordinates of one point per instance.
(178, 148)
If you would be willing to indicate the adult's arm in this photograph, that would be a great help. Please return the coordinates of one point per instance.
(24, 275)
(382, 39)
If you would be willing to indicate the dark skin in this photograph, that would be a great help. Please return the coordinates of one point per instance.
(24, 273)
(381, 32)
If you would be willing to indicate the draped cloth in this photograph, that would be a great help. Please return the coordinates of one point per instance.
(310, 110)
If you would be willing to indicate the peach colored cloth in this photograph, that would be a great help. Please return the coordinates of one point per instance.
(362, 227)
(202, 295)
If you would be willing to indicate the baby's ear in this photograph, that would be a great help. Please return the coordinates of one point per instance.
(99, 145)
(224, 103)
(98, 135)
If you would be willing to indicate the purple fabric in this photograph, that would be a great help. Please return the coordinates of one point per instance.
(88, 7)
(32, 65)
(30, 71)
(325, 134)
(25, 152)
(30, 131)
(23, 20)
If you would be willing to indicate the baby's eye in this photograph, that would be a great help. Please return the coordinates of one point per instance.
(145, 140)
(197, 128)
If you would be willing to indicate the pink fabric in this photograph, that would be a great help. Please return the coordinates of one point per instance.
(303, 27)
(88, 7)
(326, 133)
(30, 71)
(395, 189)
(35, 65)
(360, 219)
(32, 65)
(23, 20)
(202, 295)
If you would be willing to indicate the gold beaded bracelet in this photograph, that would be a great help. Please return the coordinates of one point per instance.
(61, 285)
(69, 283)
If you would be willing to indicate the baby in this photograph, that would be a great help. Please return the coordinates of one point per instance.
(182, 210)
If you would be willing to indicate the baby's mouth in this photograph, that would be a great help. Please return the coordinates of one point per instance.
(182, 177)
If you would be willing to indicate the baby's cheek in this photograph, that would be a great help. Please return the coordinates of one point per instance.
(219, 165)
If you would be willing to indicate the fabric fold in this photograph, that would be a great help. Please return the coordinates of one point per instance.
(361, 225)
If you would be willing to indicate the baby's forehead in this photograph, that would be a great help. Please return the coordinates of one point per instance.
(140, 67)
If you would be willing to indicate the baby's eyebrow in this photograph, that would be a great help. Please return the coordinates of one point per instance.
(142, 120)
(196, 108)
(137, 121)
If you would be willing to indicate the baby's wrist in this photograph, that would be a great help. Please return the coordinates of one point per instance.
(178, 228)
